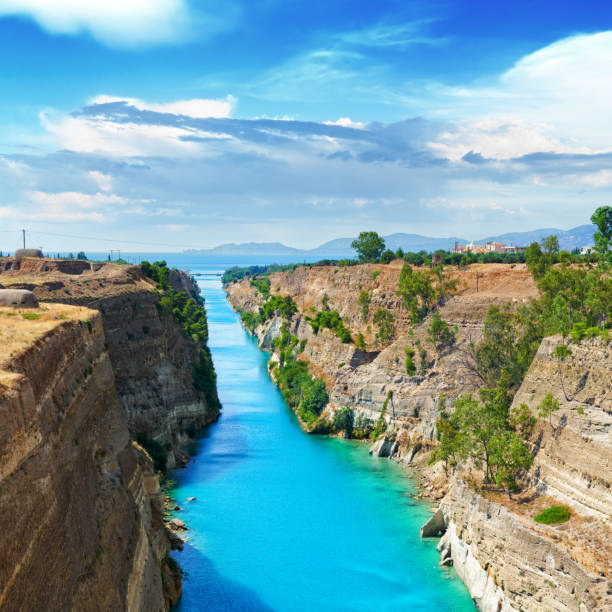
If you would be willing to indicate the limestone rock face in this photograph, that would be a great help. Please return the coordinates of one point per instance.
(574, 458)
(151, 357)
(361, 379)
(506, 564)
(80, 505)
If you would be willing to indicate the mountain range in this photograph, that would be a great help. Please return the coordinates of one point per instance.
(576, 237)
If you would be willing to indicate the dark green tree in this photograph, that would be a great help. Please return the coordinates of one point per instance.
(602, 218)
(369, 246)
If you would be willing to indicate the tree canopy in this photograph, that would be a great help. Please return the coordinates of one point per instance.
(602, 218)
(369, 246)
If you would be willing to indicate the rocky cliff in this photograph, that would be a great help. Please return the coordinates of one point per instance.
(508, 561)
(80, 507)
(152, 358)
(361, 379)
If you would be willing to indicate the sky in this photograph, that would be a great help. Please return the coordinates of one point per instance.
(191, 123)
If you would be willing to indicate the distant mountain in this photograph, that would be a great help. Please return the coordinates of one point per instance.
(248, 248)
(576, 237)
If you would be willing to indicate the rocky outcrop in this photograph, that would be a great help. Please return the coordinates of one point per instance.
(80, 504)
(151, 357)
(506, 561)
(574, 453)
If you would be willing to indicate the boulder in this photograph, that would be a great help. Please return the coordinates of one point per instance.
(177, 525)
(20, 298)
(435, 526)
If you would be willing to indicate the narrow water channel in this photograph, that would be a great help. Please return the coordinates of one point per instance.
(290, 522)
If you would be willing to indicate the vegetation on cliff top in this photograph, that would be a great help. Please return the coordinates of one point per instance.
(190, 314)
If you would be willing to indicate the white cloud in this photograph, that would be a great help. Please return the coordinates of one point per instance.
(101, 133)
(502, 138)
(346, 122)
(75, 199)
(603, 178)
(392, 35)
(120, 139)
(126, 23)
(103, 181)
(566, 85)
(197, 107)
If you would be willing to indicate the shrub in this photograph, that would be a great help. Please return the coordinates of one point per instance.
(344, 421)
(375, 274)
(552, 515)
(409, 363)
(360, 342)
(387, 257)
(386, 326)
(331, 320)
(364, 300)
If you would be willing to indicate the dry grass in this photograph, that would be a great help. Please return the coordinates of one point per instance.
(17, 332)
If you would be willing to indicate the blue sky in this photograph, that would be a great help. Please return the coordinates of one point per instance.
(200, 122)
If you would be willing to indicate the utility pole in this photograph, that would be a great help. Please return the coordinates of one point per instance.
(23, 236)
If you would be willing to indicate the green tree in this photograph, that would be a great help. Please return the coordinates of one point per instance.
(364, 300)
(602, 218)
(81, 255)
(360, 342)
(387, 257)
(536, 262)
(369, 246)
(384, 319)
(421, 290)
(439, 332)
(547, 406)
(450, 444)
(409, 363)
(344, 421)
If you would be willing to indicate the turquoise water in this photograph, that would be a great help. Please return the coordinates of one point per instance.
(289, 522)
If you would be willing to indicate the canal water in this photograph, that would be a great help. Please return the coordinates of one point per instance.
(289, 522)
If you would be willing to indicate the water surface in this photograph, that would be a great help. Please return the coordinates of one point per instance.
(290, 522)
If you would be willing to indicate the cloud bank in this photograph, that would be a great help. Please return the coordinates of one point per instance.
(125, 23)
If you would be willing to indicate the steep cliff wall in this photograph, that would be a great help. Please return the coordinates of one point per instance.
(80, 506)
(509, 564)
(151, 356)
(361, 379)
(508, 561)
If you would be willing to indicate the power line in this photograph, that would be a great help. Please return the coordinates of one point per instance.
(115, 240)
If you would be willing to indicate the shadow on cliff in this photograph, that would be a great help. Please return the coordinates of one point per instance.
(204, 588)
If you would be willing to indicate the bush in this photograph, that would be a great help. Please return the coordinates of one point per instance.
(385, 321)
(331, 320)
(364, 300)
(344, 421)
(387, 257)
(552, 515)
(409, 363)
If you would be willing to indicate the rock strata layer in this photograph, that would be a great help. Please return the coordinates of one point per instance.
(80, 505)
